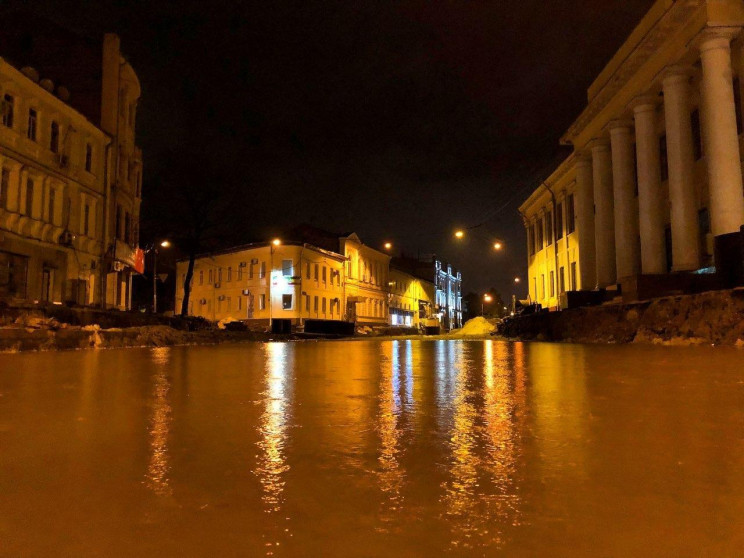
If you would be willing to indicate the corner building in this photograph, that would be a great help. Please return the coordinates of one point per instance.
(654, 184)
(70, 171)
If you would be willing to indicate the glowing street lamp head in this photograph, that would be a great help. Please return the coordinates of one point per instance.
(165, 244)
(487, 298)
(459, 234)
(276, 242)
(516, 279)
(497, 245)
(388, 245)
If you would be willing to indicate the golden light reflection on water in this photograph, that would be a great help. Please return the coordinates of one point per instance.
(160, 420)
(272, 460)
(390, 475)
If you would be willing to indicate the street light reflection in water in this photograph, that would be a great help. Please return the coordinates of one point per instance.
(383, 448)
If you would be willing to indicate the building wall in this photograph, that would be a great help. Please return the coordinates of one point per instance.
(51, 202)
(367, 277)
(252, 283)
(657, 154)
(411, 299)
(71, 188)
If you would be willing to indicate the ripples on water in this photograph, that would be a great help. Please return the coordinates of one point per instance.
(394, 448)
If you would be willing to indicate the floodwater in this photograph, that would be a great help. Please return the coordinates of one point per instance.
(373, 448)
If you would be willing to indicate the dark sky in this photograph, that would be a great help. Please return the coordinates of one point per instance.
(399, 120)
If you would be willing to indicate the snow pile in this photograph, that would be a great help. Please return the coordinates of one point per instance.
(222, 324)
(477, 327)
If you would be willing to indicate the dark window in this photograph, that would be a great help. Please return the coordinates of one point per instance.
(531, 239)
(54, 137)
(573, 277)
(697, 139)
(88, 157)
(549, 227)
(52, 194)
(570, 218)
(31, 124)
(559, 221)
(86, 219)
(4, 185)
(562, 280)
(540, 236)
(118, 222)
(737, 105)
(287, 302)
(29, 196)
(127, 227)
(663, 162)
(7, 111)
(704, 227)
(668, 247)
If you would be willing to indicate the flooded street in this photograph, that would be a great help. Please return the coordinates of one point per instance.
(373, 448)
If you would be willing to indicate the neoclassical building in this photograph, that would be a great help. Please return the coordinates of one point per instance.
(654, 183)
(70, 171)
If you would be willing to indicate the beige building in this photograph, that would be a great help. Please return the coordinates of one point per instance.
(367, 277)
(412, 300)
(281, 286)
(70, 182)
(655, 180)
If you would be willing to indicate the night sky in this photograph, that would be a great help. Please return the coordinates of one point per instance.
(397, 120)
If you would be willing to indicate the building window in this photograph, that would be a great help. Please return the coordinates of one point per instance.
(262, 302)
(86, 219)
(229, 274)
(287, 268)
(29, 196)
(573, 285)
(570, 217)
(324, 305)
(307, 303)
(201, 276)
(562, 280)
(540, 235)
(315, 304)
(531, 239)
(7, 110)
(262, 271)
(32, 117)
(211, 276)
(54, 137)
(307, 271)
(219, 275)
(127, 227)
(542, 285)
(559, 221)
(549, 227)
(4, 185)
(552, 283)
(52, 195)
(240, 271)
(663, 160)
(325, 274)
(317, 267)
(88, 157)
(697, 138)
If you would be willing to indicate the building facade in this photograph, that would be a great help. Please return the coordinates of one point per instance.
(448, 284)
(70, 181)
(655, 177)
(267, 284)
(367, 277)
(412, 299)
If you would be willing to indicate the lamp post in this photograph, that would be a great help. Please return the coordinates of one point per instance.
(154, 249)
(486, 298)
(274, 244)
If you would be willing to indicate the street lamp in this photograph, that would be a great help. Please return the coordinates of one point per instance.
(276, 242)
(486, 298)
(497, 245)
(516, 279)
(459, 234)
(388, 245)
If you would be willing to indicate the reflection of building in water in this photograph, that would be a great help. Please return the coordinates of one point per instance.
(160, 420)
(272, 461)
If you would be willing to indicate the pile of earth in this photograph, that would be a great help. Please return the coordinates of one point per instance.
(476, 327)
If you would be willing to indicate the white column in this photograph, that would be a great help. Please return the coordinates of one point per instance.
(604, 222)
(722, 148)
(623, 187)
(650, 198)
(585, 223)
(684, 219)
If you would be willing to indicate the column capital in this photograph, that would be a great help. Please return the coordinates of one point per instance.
(712, 38)
(599, 144)
(677, 73)
(645, 103)
(583, 159)
(619, 125)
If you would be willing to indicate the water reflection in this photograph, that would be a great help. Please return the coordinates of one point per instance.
(272, 460)
(390, 474)
(160, 421)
